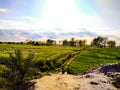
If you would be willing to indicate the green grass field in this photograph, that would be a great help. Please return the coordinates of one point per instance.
(46, 58)
(49, 57)
(57, 56)
(41, 52)
(93, 57)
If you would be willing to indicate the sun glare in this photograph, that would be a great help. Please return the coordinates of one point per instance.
(64, 14)
(60, 12)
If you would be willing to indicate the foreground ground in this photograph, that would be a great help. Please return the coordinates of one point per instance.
(101, 78)
(71, 82)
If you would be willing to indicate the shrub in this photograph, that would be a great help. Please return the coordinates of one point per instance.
(19, 69)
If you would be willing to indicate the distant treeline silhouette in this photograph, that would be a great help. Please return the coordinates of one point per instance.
(98, 41)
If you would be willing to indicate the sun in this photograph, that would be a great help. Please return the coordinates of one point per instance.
(60, 12)
(64, 14)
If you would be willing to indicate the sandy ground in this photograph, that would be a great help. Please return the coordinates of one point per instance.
(74, 82)
(94, 79)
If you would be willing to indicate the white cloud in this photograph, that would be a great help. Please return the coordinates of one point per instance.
(31, 18)
(12, 37)
(3, 10)
(13, 25)
(93, 25)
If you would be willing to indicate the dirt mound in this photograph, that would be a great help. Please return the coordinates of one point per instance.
(104, 77)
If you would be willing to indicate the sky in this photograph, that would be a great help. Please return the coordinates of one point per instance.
(59, 19)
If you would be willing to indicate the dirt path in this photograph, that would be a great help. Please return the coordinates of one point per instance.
(58, 82)
(72, 58)
(74, 82)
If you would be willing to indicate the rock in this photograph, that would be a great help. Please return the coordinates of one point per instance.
(105, 68)
(113, 74)
(116, 82)
(115, 78)
(94, 83)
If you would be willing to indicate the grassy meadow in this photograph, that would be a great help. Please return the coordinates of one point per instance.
(46, 58)
(41, 52)
(93, 57)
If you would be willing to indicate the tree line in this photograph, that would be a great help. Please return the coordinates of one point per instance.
(97, 41)
(103, 42)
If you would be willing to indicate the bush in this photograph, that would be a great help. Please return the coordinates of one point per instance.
(18, 69)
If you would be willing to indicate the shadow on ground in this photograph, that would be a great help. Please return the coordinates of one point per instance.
(26, 86)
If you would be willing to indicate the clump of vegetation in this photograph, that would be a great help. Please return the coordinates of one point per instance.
(111, 43)
(17, 70)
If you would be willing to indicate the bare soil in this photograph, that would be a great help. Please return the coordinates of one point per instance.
(95, 79)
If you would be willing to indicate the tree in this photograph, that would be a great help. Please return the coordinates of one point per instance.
(65, 43)
(99, 41)
(72, 42)
(80, 42)
(28, 41)
(105, 41)
(111, 43)
(36, 43)
(83, 43)
(51, 42)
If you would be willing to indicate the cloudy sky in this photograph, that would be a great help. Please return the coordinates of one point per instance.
(59, 19)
